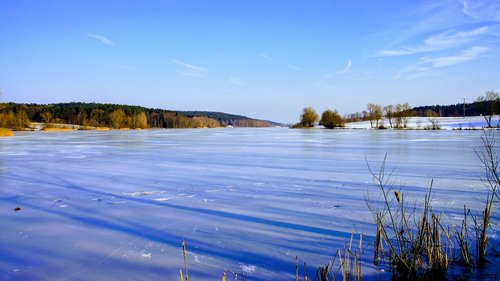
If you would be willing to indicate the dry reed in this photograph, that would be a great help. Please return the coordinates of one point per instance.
(419, 247)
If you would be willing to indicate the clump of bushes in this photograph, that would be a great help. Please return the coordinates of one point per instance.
(331, 119)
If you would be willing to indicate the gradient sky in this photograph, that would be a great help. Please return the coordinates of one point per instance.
(261, 58)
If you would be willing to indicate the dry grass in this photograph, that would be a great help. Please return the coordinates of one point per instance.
(345, 266)
(90, 128)
(491, 165)
(54, 129)
(184, 275)
(417, 245)
(185, 262)
(4, 132)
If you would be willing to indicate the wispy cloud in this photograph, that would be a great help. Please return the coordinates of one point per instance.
(291, 66)
(286, 64)
(347, 67)
(440, 42)
(266, 57)
(466, 55)
(188, 65)
(485, 10)
(103, 39)
(237, 81)
(425, 65)
(190, 69)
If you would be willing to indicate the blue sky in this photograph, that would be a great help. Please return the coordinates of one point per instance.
(261, 58)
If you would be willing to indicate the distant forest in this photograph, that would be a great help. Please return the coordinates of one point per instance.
(456, 110)
(19, 116)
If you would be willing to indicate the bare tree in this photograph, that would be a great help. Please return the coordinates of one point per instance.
(46, 116)
(374, 114)
(389, 114)
(402, 115)
(489, 103)
(406, 113)
(491, 163)
(432, 118)
(117, 118)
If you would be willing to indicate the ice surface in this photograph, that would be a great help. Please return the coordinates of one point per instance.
(115, 205)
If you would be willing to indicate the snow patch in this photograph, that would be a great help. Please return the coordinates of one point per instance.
(142, 193)
(248, 268)
(213, 190)
(164, 199)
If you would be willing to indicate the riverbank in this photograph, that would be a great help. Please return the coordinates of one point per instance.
(414, 123)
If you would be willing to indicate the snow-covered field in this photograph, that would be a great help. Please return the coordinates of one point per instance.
(115, 205)
(446, 123)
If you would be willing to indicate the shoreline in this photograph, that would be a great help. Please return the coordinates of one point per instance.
(414, 124)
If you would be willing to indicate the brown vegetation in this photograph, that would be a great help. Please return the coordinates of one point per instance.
(308, 118)
(331, 119)
(14, 120)
(6, 132)
(58, 129)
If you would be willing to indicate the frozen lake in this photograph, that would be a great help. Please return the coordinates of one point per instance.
(115, 205)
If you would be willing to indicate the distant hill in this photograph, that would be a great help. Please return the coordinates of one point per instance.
(18, 116)
(231, 119)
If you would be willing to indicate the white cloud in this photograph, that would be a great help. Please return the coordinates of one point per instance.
(425, 65)
(347, 67)
(485, 10)
(101, 38)
(189, 66)
(466, 55)
(291, 66)
(440, 42)
(190, 69)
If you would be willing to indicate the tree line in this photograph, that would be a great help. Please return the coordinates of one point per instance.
(19, 116)
(398, 115)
